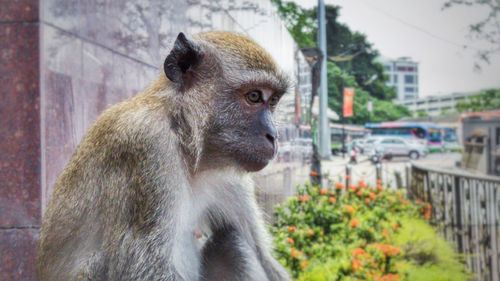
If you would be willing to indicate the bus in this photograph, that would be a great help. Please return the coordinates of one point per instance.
(432, 135)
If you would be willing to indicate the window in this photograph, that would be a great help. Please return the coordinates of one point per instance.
(409, 79)
(387, 67)
(401, 68)
(411, 68)
(395, 78)
(409, 89)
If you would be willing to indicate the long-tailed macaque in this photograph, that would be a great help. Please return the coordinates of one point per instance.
(168, 166)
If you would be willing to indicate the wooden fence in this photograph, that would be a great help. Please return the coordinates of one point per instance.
(466, 209)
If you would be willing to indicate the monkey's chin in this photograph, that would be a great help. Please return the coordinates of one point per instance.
(252, 164)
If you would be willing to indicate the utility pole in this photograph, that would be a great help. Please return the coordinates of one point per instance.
(324, 127)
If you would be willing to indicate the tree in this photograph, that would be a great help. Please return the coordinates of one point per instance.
(362, 72)
(486, 30)
(383, 110)
(483, 101)
(299, 22)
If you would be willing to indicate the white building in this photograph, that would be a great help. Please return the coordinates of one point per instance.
(435, 105)
(403, 73)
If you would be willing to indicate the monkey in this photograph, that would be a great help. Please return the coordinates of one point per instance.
(158, 171)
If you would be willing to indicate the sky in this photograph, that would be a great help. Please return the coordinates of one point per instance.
(433, 37)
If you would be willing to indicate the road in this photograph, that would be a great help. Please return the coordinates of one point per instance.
(336, 167)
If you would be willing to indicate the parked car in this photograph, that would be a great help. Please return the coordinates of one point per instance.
(400, 147)
(368, 144)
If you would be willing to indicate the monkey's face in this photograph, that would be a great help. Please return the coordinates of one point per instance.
(243, 131)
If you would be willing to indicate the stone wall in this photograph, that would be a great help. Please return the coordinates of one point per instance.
(64, 61)
(20, 206)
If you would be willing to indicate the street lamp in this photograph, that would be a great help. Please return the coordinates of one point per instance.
(324, 127)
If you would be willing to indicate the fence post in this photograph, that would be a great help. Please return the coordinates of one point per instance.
(378, 168)
(458, 214)
(347, 175)
(408, 180)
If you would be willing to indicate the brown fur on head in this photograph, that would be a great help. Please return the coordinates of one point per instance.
(240, 45)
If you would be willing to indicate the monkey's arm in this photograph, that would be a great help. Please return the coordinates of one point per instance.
(263, 244)
(248, 220)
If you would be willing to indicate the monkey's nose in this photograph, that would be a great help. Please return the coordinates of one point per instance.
(270, 138)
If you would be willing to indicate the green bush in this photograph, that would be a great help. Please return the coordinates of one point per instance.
(426, 256)
(359, 233)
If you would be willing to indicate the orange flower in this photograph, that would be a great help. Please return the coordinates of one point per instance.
(349, 209)
(332, 199)
(385, 232)
(372, 195)
(354, 223)
(339, 186)
(347, 176)
(357, 252)
(356, 264)
(295, 254)
(314, 173)
(304, 198)
(322, 191)
(292, 228)
(419, 201)
(353, 188)
(379, 181)
(387, 250)
(367, 200)
(359, 193)
(362, 184)
(310, 232)
(290, 240)
(427, 211)
(304, 264)
(380, 187)
(396, 226)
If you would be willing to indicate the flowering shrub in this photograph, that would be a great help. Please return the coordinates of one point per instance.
(344, 233)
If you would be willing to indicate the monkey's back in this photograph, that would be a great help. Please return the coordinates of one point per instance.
(89, 208)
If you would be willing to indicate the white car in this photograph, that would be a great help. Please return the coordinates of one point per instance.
(400, 147)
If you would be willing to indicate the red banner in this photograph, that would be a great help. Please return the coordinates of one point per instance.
(348, 101)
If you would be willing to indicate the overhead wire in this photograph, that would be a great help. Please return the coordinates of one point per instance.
(418, 28)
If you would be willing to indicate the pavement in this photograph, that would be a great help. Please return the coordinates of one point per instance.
(335, 167)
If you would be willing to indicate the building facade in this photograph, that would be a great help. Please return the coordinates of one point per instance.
(403, 73)
(435, 105)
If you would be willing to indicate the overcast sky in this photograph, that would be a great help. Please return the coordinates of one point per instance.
(429, 35)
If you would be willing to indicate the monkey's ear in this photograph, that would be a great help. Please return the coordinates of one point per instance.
(183, 56)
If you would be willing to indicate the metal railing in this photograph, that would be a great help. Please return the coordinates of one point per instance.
(466, 209)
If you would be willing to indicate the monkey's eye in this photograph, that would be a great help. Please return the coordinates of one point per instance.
(254, 96)
(274, 100)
